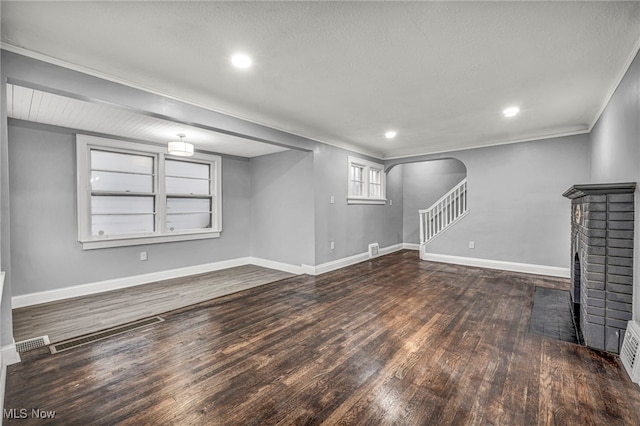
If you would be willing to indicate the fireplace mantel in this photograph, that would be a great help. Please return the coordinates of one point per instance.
(577, 191)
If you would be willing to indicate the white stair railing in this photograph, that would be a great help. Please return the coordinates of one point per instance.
(450, 208)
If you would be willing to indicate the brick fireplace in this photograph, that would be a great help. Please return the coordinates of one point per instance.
(602, 233)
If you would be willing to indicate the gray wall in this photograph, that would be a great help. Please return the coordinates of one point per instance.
(517, 212)
(516, 209)
(423, 184)
(615, 151)
(45, 253)
(282, 207)
(351, 227)
(85, 267)
(6, 319)
(615, 139)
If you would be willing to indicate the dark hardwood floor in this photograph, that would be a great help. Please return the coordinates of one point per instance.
(389, 341)
(65, 319)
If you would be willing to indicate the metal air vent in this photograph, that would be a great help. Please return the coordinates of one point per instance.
(629, 353)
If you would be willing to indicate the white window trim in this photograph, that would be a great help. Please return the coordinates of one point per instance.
(85, 143)
(366, 199)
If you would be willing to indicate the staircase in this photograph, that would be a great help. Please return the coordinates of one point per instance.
(449, 209)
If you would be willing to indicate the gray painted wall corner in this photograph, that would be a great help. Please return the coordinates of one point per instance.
(45, 253)
(6, 318)
(351, 227)
(424, 183)
(516, 209)
(615, 152)
(282, 207)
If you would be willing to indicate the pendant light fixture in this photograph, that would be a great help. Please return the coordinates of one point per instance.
(180, 148)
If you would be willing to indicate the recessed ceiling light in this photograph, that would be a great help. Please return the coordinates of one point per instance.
(390, 134)
(240, 60)
(511, 111)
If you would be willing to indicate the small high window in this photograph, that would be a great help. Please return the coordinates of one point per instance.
(366, 182)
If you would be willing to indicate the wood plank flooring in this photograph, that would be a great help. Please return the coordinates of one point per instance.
(69, 318)
(388, 341)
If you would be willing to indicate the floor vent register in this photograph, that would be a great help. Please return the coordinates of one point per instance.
(92, 337)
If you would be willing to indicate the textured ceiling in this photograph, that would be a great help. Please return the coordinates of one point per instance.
(344, 72)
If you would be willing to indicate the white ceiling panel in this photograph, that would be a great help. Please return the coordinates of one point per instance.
(24, 103)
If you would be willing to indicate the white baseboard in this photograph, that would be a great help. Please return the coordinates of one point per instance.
(391, 249)
(119, 283)
(553, 271)
(108, 285)
(409, 246)
(324, 267)
(8, 356)
(285, 267)
(3, 386)
(340, 263)
(352, 260)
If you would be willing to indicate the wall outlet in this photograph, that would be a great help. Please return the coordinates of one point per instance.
(333, 245)
(390, 202)
(332, 200)
(472, 244)
(143, 255)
